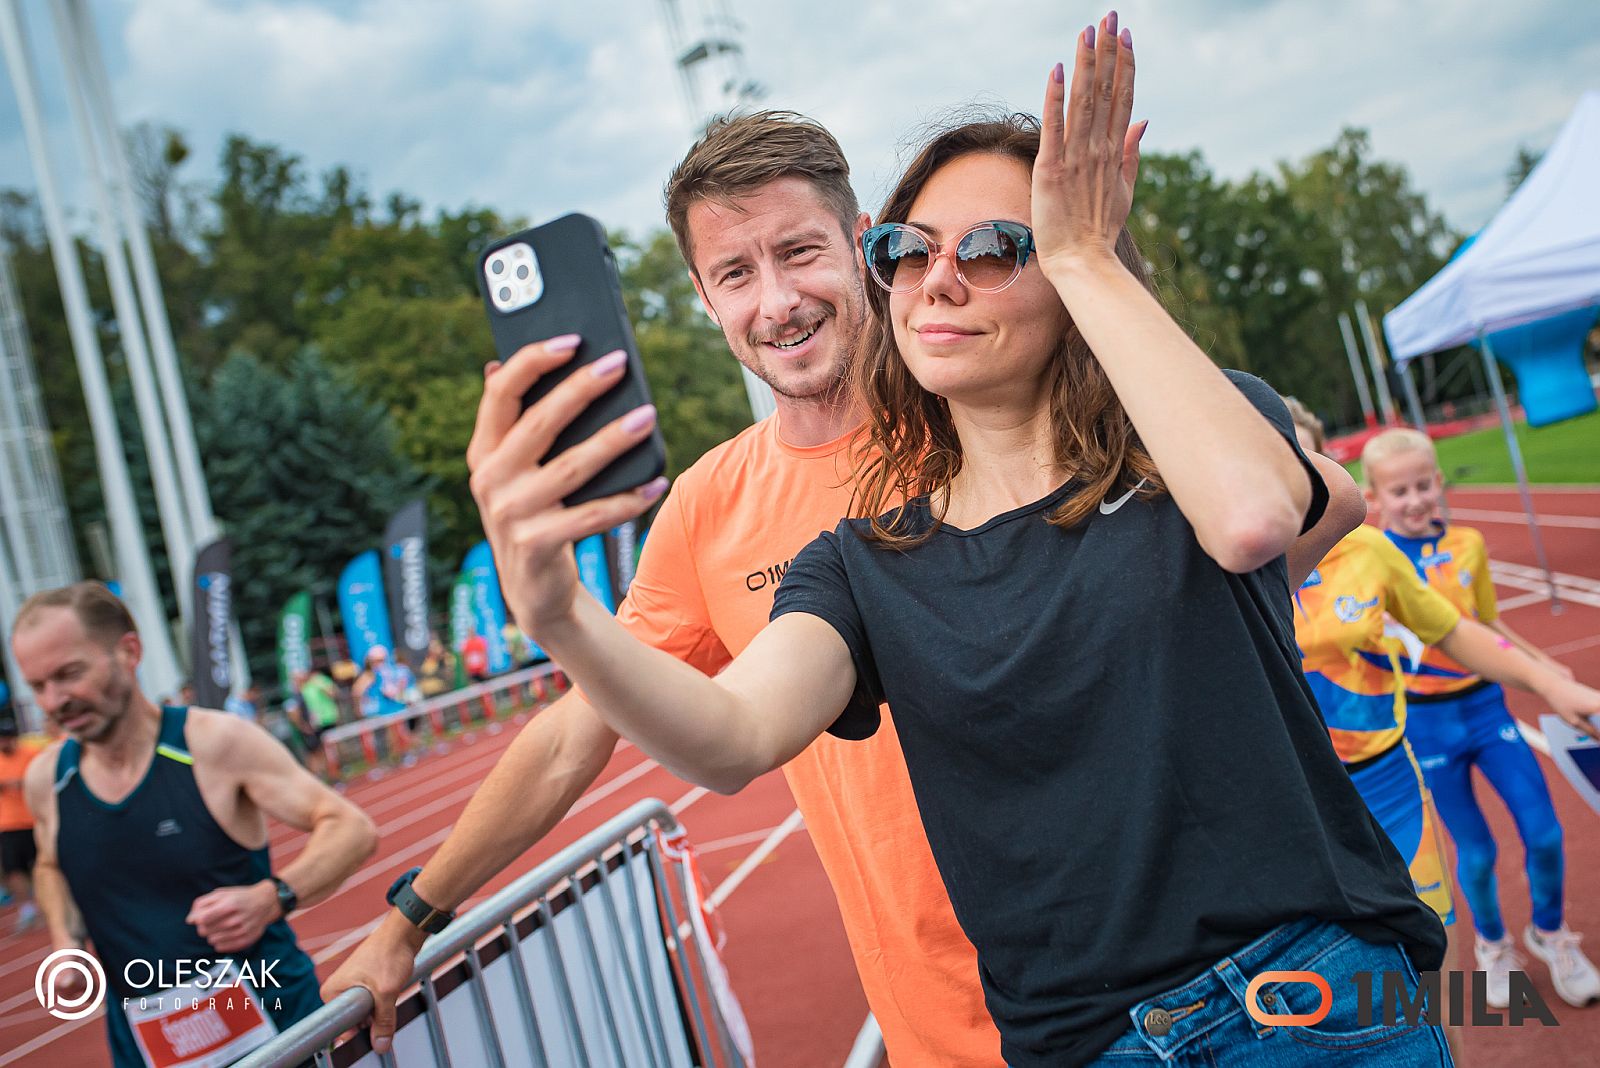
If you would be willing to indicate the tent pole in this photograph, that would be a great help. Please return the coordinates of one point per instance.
(1492, 371)
(1413, 402)
(1375, 357)
(1355, 370)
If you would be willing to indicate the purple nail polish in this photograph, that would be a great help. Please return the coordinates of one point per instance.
(639, 418)
(1142, 129)
(1111, 23)
(563, 342)
(1059, 74)
(1088, 36)
(609, 363)
(1127, 39)
(653, 489)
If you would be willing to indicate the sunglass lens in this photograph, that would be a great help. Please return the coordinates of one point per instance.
(900, 259)
(988, 258)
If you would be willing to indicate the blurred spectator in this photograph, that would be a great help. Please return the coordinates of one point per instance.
(438, 670)
(475, 655)
(245, 705)
(316, 709)
(16, 822)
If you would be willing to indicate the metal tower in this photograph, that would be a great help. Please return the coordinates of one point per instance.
(708, 51)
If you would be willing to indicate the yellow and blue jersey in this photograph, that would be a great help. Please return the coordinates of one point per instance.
(1454, 562)
(1352, 665)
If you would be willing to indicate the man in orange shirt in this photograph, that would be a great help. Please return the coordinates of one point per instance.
(16, 822)
(765, 217)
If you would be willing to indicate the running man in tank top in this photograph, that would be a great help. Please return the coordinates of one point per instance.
(153, 823)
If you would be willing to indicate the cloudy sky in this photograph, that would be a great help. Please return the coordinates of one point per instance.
(538, 108)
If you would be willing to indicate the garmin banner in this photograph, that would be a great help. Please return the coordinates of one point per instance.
(294, 639)
(213, 609)
(594, 571)
(488, 604)
(621, 552)
(405, 574)
(361, 603)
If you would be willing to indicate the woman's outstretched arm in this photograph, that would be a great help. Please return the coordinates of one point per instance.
(789, 685)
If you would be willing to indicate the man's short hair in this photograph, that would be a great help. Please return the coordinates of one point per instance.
(103, 615)
(1394, 442)
(738, 154)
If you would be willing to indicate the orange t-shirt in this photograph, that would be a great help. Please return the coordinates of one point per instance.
(14, 814)
(704, 588)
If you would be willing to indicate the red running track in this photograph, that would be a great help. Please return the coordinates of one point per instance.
(786, 951)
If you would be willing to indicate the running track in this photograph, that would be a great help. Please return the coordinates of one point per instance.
(786, 951)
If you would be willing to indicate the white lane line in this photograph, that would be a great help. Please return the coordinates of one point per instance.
(1574, 594)
(756, 857)
(1484, 515)
(1523, 600)
(1574, 645)
(1534, 737)
(59, 1031)
(1562, 578)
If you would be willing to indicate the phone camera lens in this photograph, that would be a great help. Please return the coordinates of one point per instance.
(505, 294)
(522, 271)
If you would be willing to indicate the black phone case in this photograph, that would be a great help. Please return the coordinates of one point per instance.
(582, 295)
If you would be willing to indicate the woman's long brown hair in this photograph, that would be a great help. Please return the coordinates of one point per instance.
(912, 448)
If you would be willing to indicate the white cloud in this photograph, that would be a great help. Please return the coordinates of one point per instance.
(539, 109)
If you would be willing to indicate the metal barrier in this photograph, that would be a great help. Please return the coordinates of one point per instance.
(470, 706)
(577, 964)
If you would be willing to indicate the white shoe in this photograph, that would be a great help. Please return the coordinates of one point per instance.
(1497, 960)
(1574, 976)
(27, 916)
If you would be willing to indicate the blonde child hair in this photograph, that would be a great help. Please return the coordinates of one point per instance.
(1393, 442)
(1307, 421)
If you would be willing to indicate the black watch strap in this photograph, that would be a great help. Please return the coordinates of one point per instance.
(422, 915)
(288, 900)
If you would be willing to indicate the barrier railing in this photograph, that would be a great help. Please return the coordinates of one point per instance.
(579, 962)
(480, 704)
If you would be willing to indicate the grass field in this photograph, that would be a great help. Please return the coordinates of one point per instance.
(1568, 451)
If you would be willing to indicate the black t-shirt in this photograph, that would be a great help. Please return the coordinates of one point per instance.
(1122, 772)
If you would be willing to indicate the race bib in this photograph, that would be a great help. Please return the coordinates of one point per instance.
(206, 1023)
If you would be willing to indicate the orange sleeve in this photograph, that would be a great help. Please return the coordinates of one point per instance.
(665, 606)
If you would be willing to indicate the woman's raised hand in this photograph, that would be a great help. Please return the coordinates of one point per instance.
(1088, 156)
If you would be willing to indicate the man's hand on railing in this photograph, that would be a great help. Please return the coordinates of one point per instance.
(382, 963)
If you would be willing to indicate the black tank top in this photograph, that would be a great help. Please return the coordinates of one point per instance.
(136, 867)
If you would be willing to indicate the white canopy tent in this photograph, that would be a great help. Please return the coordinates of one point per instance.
(1538, 257)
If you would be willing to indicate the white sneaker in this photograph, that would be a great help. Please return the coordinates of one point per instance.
(1497, 960)
(1574, 976)
(27, 916)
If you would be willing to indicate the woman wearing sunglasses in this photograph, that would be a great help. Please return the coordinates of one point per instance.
(1080, 617)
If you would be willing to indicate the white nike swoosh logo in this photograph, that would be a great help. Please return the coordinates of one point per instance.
(1107, 507)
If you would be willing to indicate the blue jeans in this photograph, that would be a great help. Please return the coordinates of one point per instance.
(1203, 1024)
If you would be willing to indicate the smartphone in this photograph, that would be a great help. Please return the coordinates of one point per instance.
(561, 278)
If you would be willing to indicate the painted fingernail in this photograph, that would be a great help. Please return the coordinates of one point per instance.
(1058, 75)
(1088, 36)
(563, 342)
(639, 418)
(1111, 23)
(608, 364)
(1142, 128)
(653, 489)
(1127, 38)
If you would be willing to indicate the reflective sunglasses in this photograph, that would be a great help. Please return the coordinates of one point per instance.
(987, 257)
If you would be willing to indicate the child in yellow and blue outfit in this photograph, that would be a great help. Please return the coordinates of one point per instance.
(1460, 721)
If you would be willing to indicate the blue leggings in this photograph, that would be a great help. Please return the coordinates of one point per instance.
(1449, 737)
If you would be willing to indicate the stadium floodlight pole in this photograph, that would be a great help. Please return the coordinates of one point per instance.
(1360, 376)
(203, 525)
(10, 601)
(1491, 368)
(157, 446)
(1375, 358)
(160, 668)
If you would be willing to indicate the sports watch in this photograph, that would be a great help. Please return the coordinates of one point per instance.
(288, 900)
(422, 915)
